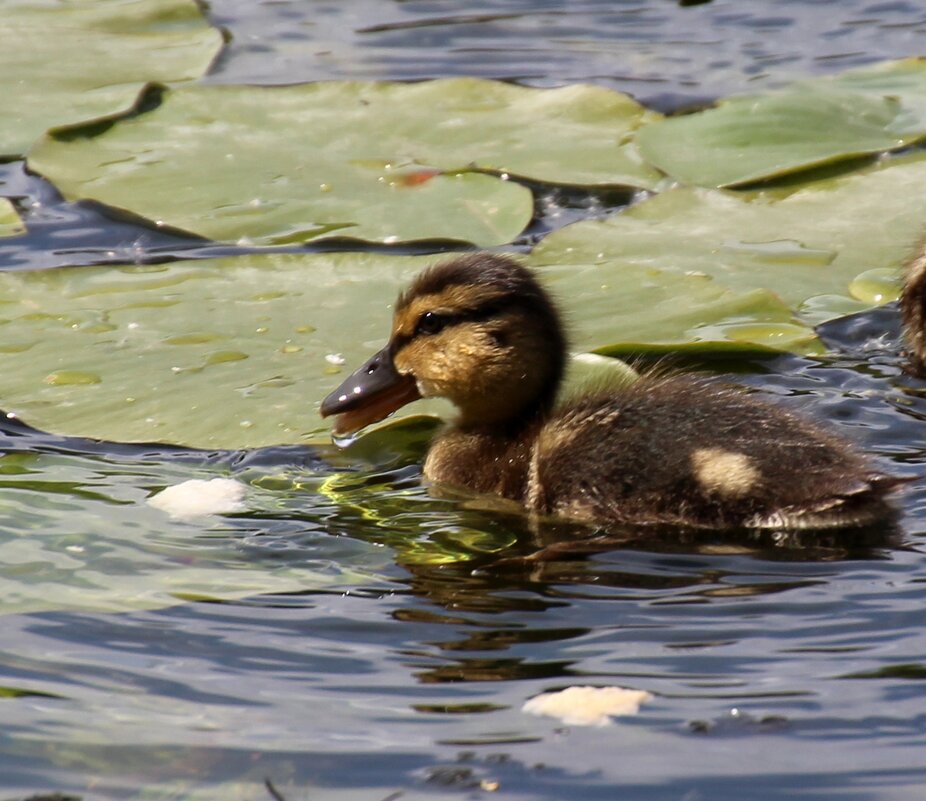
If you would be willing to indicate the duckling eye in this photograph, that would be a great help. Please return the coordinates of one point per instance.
(431, 323)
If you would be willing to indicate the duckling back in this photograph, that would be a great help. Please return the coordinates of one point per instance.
(687, 451)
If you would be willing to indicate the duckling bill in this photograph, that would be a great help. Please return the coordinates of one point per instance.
(481, 331)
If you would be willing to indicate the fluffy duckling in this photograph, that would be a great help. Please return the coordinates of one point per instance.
(481, 331)
(913, 311)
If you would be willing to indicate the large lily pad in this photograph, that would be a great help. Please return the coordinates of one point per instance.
(10, 223)
(619, 309)
(68, 62)
(238, 352)
(374, 161)
(222, 353)
(815, 247)
(813, 122)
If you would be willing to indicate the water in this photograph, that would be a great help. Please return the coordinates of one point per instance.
(350, 636)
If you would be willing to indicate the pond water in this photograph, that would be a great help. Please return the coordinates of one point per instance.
(349, 636)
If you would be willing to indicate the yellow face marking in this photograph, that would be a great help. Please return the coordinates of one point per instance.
(726, 473)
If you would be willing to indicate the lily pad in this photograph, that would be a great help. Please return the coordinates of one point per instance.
(10, 223)
(813, 247)
(623, 308)
(69, 62)
(238, 352)
(223, 353)
(813, 122)
(376, 161)
(902, 81)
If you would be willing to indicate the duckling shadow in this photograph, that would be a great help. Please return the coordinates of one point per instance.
(553, 564)
(541, 539)
(557, 542)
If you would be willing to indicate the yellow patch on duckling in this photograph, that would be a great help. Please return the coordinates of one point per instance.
(726, 473)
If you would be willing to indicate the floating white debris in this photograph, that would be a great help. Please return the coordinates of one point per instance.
(587, 706)
(197, 497)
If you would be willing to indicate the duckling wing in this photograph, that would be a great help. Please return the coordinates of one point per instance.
(692, 452)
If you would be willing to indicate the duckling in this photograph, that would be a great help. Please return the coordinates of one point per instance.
(913, 311)
(481, 331)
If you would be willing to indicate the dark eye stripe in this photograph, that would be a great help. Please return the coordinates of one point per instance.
(431, 323)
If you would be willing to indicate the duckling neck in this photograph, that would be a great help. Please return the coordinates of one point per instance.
(491, 459)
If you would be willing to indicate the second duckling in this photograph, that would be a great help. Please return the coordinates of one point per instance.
(481, 331)
(913, 311)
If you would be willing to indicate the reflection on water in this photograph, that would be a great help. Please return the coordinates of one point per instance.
(665, 53)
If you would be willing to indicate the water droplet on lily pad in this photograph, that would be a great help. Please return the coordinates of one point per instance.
(43, 316)
(821, 308)
(225, 356)
(143, 268)
(875, 286)
(344, 440)
(69, 378)
(192, 339)
(784, 250)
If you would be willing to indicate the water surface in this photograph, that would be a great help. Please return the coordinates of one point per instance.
(350, 636)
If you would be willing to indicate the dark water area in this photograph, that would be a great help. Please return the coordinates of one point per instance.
(380, 642)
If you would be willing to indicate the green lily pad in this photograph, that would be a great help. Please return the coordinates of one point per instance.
(623, 308)
(10, 223)
(224, 353)
(903, 82)
(238, 352)
(384, 162)
(591, 370)
(812, 123)
(70, 62)
(813, 247)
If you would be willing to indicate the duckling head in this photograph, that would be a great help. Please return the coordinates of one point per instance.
(478, 330)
